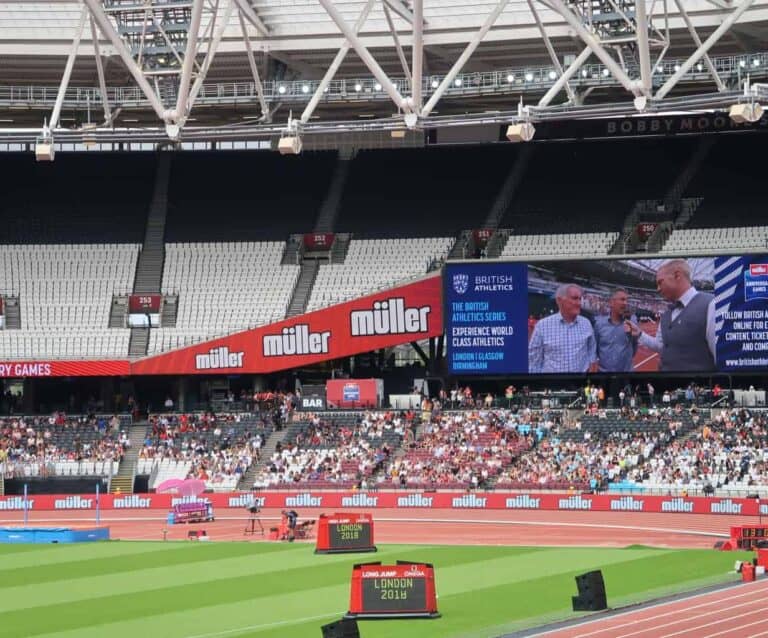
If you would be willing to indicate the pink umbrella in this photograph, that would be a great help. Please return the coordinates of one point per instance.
(188, 487)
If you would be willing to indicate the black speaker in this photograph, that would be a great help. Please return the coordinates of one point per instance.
(591, 592)
(344, 628)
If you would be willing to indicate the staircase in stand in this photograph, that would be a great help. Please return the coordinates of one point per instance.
(122, 482)
(139, 342)
(12, 313)
(267, 450)
(118, 311)
(170, 311)
(303, 288)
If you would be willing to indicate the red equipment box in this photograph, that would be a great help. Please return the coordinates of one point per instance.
(404, 590)
(342, 533)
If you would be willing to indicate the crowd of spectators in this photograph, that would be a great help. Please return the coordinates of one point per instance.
(34, 445)
(219, 447)
(728, 451)
(322, 451)
(466, 449)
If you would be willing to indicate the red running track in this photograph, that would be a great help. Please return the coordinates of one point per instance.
(736, 612)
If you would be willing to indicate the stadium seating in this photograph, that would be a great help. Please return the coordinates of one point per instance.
(218, 449)
(334, 450)
(65, 293)
(245, 196)
(422, 192)
(83, 197)
(371, 265)
(696, 241)
(62, 445)
(223, 288)
(574, 244)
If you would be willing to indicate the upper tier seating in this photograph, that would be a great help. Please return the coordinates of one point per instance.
(375, 264)
(65, 293)
(703, 240)
(245, 196)
(223, 288)
(576, 244)
(423, 192)
(81, 197)
(731, 182)
(580, 187)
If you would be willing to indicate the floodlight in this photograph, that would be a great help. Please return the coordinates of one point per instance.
(289, 144)
(522, 132)
(749, 112)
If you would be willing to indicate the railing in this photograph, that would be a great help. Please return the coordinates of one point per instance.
(732, 69)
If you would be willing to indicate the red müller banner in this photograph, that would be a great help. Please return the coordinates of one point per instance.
(53, 368)
(402, 500)
(388, 318)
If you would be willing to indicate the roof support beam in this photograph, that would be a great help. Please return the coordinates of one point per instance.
(417, 53)
(643, 49)
(100, 73)
(466, 54)
(551, 50)
(331, 72)
(365, 55)
(254, 68)
(68, 70)
(697, 40)
(706, 46)
(97, 11)
(189, 60)
(253, 17)
(210, 54)
(564, 77)
(398, 47)
(400, 9)
(593, 43)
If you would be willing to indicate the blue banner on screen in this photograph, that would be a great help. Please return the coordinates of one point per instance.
(486, 318)
(741, 298)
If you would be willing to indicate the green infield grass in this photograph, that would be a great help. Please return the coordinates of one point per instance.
(125, 589)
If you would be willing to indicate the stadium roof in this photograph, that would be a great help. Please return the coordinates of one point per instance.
(194, 69)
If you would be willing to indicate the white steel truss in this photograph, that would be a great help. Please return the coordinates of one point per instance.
(168, 48)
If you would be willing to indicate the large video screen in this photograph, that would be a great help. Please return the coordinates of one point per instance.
(680, 315)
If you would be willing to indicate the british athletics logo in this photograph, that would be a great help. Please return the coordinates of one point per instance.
(461, 283)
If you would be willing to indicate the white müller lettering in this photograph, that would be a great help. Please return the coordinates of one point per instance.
(469, 500)
(414, 500)
(523, 501)
(131, 502)
(389, 317)
(17, 503)
(359, 500)
(303, 500)
(295, 340)
(676, 505)
(219, 358)
(575, 503)
(73, 503)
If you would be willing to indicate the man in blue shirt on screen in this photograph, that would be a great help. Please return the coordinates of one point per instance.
(615, 344)
(563, 342)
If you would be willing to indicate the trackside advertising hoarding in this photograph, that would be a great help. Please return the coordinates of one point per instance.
(53, 368)
(388, 318)
(407, 500)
